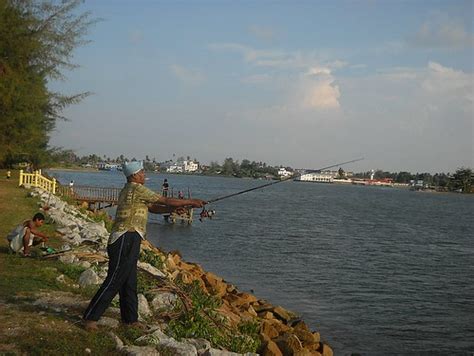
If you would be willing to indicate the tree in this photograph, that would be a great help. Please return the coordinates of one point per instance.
(229, 167)
(37, 39)
(462, 180)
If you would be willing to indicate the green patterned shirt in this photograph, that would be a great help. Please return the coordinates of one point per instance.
(132, 210)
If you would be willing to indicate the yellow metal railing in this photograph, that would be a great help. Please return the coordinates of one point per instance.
(36, 179)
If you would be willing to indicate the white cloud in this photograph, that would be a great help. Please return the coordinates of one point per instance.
(186, 75)
(442, 33)
(440, 79)
(323, 94)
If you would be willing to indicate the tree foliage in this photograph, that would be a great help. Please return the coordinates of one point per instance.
(37, 40)
(462, 180)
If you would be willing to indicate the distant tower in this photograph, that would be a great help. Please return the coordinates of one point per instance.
(372, 172)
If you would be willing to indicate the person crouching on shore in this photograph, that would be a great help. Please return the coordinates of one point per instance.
(26, 235)
(123, 248)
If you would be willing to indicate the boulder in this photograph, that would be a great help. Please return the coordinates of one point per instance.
(268, 329)
(304, 334)
(271, 349)
(168, 344)
(279, 326)
(85, 264)
(150, 269)
(214, 284)
(282, 314)
(326, 350)
(89, 277)
(289, 344)
(266, 315)
(263, 306)
(164, 300)
(143, 307)
(201, 345)
(68, 258)
(132, 350)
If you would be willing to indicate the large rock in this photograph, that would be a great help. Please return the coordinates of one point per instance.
(89, 277)
(201, 345)
(68, 258)
(133, 350)
(326, 350)
(304, 334)
(282, 314)
(143, 307)
(268, 329)
(271, 349)
(289, 344)
(164, 301)
(150, 269)
(241, 299)
(214, 284)
(168, 344)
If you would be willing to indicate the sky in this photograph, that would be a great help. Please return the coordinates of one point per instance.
(295, 83)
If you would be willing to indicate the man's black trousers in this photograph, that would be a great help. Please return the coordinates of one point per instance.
(121, 278)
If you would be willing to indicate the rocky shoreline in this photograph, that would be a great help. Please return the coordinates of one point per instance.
(279, 331)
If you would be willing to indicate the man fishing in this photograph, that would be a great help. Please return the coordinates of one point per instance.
(129, 228)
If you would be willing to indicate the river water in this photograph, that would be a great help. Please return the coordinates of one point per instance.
(375, 270)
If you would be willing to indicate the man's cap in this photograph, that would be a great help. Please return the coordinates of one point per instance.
(129, 168)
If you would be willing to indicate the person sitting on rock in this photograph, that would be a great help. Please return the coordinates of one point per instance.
(26, 235)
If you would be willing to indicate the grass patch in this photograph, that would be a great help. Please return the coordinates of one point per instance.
(203, 321)
(152, 258)
(72, 271)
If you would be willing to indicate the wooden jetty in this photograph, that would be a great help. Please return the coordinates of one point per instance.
(96, 197)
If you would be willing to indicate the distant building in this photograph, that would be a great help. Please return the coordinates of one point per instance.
(283, 173)
(322, 177)
(190, 166)
(106, 166)
(181, 166)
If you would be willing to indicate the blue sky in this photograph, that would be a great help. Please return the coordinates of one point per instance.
(303, 83)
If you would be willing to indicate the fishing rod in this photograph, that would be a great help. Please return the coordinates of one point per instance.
(280, 181)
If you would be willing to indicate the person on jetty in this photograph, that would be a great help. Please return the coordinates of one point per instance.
(129, 228)
(165, 187)
(26, 235)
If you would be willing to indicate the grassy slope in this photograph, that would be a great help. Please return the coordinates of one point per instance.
(25, 328)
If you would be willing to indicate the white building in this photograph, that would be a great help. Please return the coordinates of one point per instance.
(322, 177)
(174, 168)
(181, 166)
(190, 166)
(283, 173)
